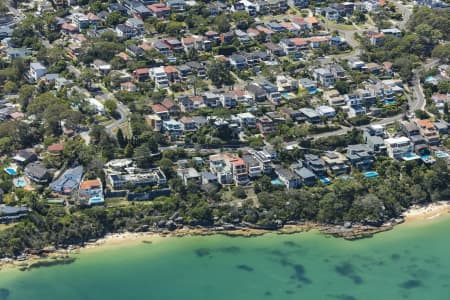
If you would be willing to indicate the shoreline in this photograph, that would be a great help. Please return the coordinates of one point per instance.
(128, 239)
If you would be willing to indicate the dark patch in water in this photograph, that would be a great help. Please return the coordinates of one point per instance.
(326, 260)
(4, 294)
(268, 293)
(299, 286)
(245, 268)
(278, 253)
(395, 256)
(346, 269)
(284, 262)
(342, 297)
(411, 284)
(289, 292)
(299, 274)
(290, 243)
(202, 252)
(232, 249)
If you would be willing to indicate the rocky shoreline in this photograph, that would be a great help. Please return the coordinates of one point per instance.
(50, 256)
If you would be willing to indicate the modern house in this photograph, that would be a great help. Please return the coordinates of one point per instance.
(68, 182)
(336, 162)
(37, 172)
(360, 156)
(37, 70)
(315, 164)
(288, 178)
(398, 147)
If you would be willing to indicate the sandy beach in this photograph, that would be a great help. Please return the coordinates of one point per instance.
(130, 239)
(427, 212)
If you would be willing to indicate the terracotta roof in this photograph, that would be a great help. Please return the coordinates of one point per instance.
(211, 32)
(168, 103)
(141, 71)
(69, 27)
(299, 21)
(264, 30)
(188, 40)
(88, 184)
(299, 41)
(128, 84)
(312, 20)
(158, 7)
(57, 147)
(124, 56)
(170, 69)
(158, 108)
(146, 47)
(287, 25)
(319, 39)
(92, 17)
(186, 120)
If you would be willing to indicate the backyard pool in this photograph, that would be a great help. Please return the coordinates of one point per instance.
(410, 156)
(20, 182)
(441, 155)
(96, 200)
(371, 174)
(325, 180)
(389, 102)
(276, 182)
(11, 171)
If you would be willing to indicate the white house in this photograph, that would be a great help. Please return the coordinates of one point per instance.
(99, 107)
(37, 70)
(398, 147)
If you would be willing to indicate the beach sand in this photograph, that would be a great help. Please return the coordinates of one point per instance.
(427, 212)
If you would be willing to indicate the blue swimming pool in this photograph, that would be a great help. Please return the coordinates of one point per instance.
(20, 183)
(425, 156)
(371, 174)
(276, 182)
(441, 155)
(389, 102)
(96, 200)
(325, 180)
(11, 171)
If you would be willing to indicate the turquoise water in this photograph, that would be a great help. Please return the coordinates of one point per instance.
(410, 262)
(371, 174)
(11, 171)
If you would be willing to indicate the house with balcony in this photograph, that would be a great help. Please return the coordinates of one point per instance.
(336, 163)
(219, 167)
(90, 192)
(189, 175)
(238, 62)
(324, 76)
(159, 76)
(264, 160)
(253, 166)
(37, 70)
(173, 127)
(398, 147)
(265, 125)
(429, 132)
(307, 177)
(315, 164)
(289, 179)
(119, 179)
(360, 156)
(334, 98)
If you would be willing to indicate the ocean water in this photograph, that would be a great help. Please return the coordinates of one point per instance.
(409, 262)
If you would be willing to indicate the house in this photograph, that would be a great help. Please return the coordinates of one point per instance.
(256, 92)
(160, 110)
(37, 172)
(228, 100)
(68, 182)
(247, 119)
(331, 14)
(80, 20)
(24, 157)
(307, 177)
(37, 70)
(90, 192)
(96, 105)
(265, 125)
(324, 76)
(299, 3)
(55, 148)
(252, 165)
(377, 39)
(356, 110)
(211, 99)
(442, 126)
(334, 98)
(429, 132)
(155, 122)
(239, 62)
(208, 178)
(308, 84)
(410, 128)
(220, 169)
(134, 50)
(183, 72)
(162, 47)
(141, 74)
(398, 147)
(128, 86)
(288, 178)
(336, 162)
(189, 175)
(198, 69)
(174, 45)
(326, 111)
(360, 156)
(274, 49)
(317, 41)
(125, 31)
(173, 127)
(286, 83)
(101, 66)
(392, 32)
(158, 75)
(310, 114)
(171, 106)
(136, 24)
(288, 46)
(130, 178)
(13, 53)
(242, 37)
(176, 5)
(312, 22)
(159, 10)
(12, 213)
(315, 164)
(187, 124)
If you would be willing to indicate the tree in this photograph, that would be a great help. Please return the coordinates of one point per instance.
(239, 192)
(111, 106)
(120, 138)
(442, 51)
(143, 156)
(114, 18)
(342, 86)
(222, 23)
(219, 74)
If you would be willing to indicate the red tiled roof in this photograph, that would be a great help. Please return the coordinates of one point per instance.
(141, 71)
(299, 41)
(88, 184)
(57, 147)
(170, 69)
(158, 108)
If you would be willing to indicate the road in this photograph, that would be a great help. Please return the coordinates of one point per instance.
(121, 109)
(406, 13)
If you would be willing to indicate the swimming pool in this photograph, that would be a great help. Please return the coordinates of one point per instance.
(441, 155)
(389, 102)
(11, 171)
(325, 180)
(20, 182)
(371, 174)
(276, 182)
(96, 200)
